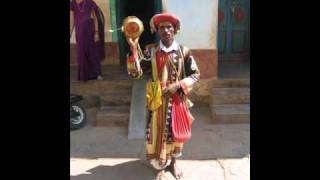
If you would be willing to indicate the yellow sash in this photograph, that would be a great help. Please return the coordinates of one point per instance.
(153, 86)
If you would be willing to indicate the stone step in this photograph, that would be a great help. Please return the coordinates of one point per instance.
(105, 78)
(105, 69)
(109, 72)
(116, 98)
(231, 95)
(113, 116)
(99, 87)
(226, 83)
(116, 76)
(231, 113)
(90, 101)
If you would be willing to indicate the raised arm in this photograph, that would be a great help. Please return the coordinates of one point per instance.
(137, 63)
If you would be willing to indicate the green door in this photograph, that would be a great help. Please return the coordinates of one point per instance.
(234, 29)
(144, 10)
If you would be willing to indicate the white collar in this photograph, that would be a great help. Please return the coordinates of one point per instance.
(174, 46)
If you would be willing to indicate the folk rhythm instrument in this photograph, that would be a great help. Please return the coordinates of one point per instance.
(132, 27)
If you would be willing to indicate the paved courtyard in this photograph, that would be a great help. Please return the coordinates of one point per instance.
(215, 152)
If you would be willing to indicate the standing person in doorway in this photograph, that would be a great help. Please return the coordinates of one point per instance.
(88, 21)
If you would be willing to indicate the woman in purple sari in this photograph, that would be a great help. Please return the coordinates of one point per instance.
(88, 21)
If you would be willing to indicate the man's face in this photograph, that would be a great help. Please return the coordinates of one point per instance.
(166, 32)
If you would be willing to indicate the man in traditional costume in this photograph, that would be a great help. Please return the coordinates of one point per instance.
(174, 68)
(88, 21)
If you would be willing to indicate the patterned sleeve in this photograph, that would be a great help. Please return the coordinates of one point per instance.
(192, 74)
(137, 66)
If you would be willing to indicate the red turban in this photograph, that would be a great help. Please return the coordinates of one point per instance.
(156, 19)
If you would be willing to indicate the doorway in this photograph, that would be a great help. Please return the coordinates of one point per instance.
(234, 30)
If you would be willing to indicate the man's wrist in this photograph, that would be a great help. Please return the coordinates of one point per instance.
(134, 49)
(178, 85)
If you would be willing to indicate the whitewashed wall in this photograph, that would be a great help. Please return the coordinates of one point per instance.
(199, 22)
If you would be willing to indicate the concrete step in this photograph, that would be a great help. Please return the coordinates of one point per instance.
(109, 72)
(106, 69)
(117, 76)
(231, 113)
(226, 83)
(90, 101)
(100, 87)
(113, 116)
(116, 98)
(231, 95)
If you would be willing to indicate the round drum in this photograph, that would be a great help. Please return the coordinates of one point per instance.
(132, 27)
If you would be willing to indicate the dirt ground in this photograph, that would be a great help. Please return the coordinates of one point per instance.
(215, 152)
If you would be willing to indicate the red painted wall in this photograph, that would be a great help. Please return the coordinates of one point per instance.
(207, 62)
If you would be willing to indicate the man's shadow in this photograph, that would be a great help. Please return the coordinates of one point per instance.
(133, 170)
